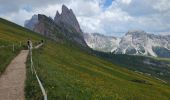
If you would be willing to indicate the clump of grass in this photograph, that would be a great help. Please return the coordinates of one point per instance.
(141, 81)
(6, 55)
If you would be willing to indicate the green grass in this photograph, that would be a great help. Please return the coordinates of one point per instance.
(69, 73)
(156, 67)
(6, 55)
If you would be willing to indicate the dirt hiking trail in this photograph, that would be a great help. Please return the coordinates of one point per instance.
(12, 81)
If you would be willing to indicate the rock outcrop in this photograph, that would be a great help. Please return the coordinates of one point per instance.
(30, 24)
(68, 18)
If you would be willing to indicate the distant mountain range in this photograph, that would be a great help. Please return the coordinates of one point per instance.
(65, 26)
(101, 42)
(135, 42)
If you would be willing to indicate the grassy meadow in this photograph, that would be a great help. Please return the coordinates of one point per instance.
(10, 34)
(69, 73)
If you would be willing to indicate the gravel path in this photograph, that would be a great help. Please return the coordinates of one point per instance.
(12, 81)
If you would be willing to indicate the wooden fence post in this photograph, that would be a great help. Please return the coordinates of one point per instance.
(20, 43)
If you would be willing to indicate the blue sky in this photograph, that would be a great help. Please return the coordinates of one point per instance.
(109, 17)
(107, 3)
(27, 8)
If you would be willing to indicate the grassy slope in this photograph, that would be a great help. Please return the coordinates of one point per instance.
(10, 34)
(146, 65)
(70, 73)
(6, 55)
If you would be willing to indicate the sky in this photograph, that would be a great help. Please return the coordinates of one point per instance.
(109, 17)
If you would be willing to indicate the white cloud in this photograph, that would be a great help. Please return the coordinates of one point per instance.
(162, 5)
(9, 6)
(86, 8)
(126, 1)
(18, 17)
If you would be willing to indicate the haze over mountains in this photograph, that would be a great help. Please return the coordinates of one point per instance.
(134, 42)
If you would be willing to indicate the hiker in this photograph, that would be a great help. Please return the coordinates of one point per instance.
(42, 41)
(29, 43)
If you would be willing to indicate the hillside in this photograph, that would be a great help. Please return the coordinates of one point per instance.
(150, 66)
(68, 72)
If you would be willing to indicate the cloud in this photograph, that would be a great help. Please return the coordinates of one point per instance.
(162, 5)
(10, 6)
(127, 2)
(86, 8)
(113, 17)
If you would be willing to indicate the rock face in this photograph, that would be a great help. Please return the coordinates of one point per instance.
(101, 43)
(140, 43)
(135, 42)
(64, 26)
(67, 17)
(30, 24)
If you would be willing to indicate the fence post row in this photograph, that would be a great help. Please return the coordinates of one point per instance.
(34, 71)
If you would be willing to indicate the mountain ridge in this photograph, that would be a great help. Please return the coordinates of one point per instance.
(100, 42)
(64, 26)
(136, 42)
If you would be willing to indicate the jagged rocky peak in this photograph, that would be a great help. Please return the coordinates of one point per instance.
(64, 26)
(30, 24)
(56, 18)
(68, 18)
(65, 9)
(36, 23)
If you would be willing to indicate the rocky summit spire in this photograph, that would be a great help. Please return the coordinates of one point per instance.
(30, 24)
(57, 17)
(67, 18)
(65, 9)
(64, 23)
